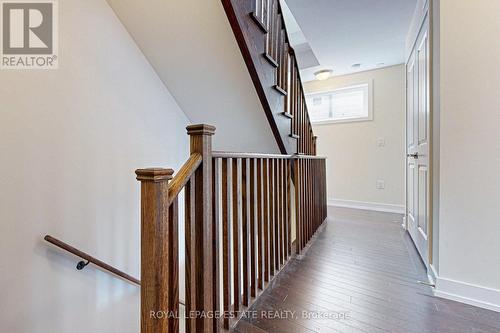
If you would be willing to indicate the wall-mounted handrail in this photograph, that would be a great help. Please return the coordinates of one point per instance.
(91, 259)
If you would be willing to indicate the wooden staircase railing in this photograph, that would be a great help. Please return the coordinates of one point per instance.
(262, 36)
(236, 203)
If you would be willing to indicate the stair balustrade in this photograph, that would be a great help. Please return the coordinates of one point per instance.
(245, 216)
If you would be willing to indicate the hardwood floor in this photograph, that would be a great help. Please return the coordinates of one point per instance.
(360, 275)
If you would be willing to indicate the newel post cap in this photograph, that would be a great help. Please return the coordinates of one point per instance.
(200, 129)
(154, 174)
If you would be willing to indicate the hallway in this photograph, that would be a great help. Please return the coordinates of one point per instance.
(359, 275)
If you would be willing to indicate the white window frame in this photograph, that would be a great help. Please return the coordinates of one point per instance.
(350, 120)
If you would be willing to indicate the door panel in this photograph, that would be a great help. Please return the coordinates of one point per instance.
(422, 58)
(418, 129)
(422, 200)
(410, 102)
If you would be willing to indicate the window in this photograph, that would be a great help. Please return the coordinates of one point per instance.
(352, 103)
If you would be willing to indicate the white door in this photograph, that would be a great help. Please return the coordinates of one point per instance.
(418, 129)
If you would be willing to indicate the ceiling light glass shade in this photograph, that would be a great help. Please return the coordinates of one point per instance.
(323, 74)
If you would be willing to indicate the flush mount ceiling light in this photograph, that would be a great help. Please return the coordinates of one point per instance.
(323, 74)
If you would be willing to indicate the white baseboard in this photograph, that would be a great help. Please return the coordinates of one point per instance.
(471, 294)
(379, 207)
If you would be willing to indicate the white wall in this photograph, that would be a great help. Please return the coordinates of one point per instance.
(355, 161)
(70, 140)
(469, 245)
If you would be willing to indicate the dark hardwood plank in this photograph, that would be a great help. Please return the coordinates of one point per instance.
(363, 264)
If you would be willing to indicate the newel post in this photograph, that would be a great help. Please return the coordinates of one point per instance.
(159, 257)
(205, 232)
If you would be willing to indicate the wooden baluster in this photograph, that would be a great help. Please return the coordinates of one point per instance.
(281, 217)
(275, 31)
(323, 177)
(260, 224)
(308, 181)
(277, 40)
(301, 122)
(271, 216)
(252, 207)
(245, 233)
(173, 257)
(279, 76)
(307, 192)
(315, 189)
(295, 104)
(206, 280)
(318, 194)
(292, 94)
(269, 31)
(190, 232)
(289, 207)
(236, 194)
(276, 214)
(297, 205)
(302, 207)
(284, 209)
(226, 244)
(304, 124)
(285, 63)
(215, 240)
(266, 182)
(299, 128)
(159, 256)
(303, 202)
(295, 118)
(265, 13)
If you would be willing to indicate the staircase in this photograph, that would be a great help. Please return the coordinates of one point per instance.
(260, 30)
(215, 78)
(245, 214)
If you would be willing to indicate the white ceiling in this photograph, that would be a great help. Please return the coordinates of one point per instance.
(340, 33)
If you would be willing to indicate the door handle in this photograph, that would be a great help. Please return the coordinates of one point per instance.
(415, 155)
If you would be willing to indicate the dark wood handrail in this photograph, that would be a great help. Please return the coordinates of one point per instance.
(225, 154)
(91, 259)
(182, 176)
(309, 157)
